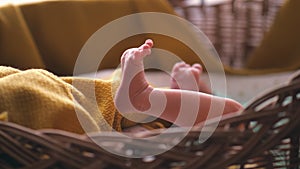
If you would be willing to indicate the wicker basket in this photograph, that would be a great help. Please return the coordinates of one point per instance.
(235, 27)
(265, 135)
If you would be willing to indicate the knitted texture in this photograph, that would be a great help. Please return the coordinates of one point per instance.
(37, 99)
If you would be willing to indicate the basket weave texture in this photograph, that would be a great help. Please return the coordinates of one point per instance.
(234, 27)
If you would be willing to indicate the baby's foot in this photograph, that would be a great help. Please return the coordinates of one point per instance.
(187, 77)
(133, 92)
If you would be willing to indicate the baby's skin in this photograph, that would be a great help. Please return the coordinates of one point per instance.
(180, 106)
(187, 77)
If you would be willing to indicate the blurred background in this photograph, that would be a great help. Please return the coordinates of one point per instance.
(235, 27)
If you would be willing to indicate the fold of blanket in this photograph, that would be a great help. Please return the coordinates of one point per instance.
(38, 99)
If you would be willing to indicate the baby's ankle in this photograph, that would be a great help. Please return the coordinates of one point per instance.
(140, 100)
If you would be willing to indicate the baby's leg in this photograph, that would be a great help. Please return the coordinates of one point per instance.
(135, 94)
(187, 77)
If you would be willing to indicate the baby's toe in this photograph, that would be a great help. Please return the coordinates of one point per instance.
(178, 66)
(149, 42)
(143, 50)
(195, 72)
(197, 66)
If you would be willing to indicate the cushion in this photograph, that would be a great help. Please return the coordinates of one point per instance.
(17, 47)
(280, 48)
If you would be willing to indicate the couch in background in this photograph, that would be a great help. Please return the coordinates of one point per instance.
(50, 34)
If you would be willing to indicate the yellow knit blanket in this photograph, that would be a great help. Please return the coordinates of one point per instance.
(38, 99)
